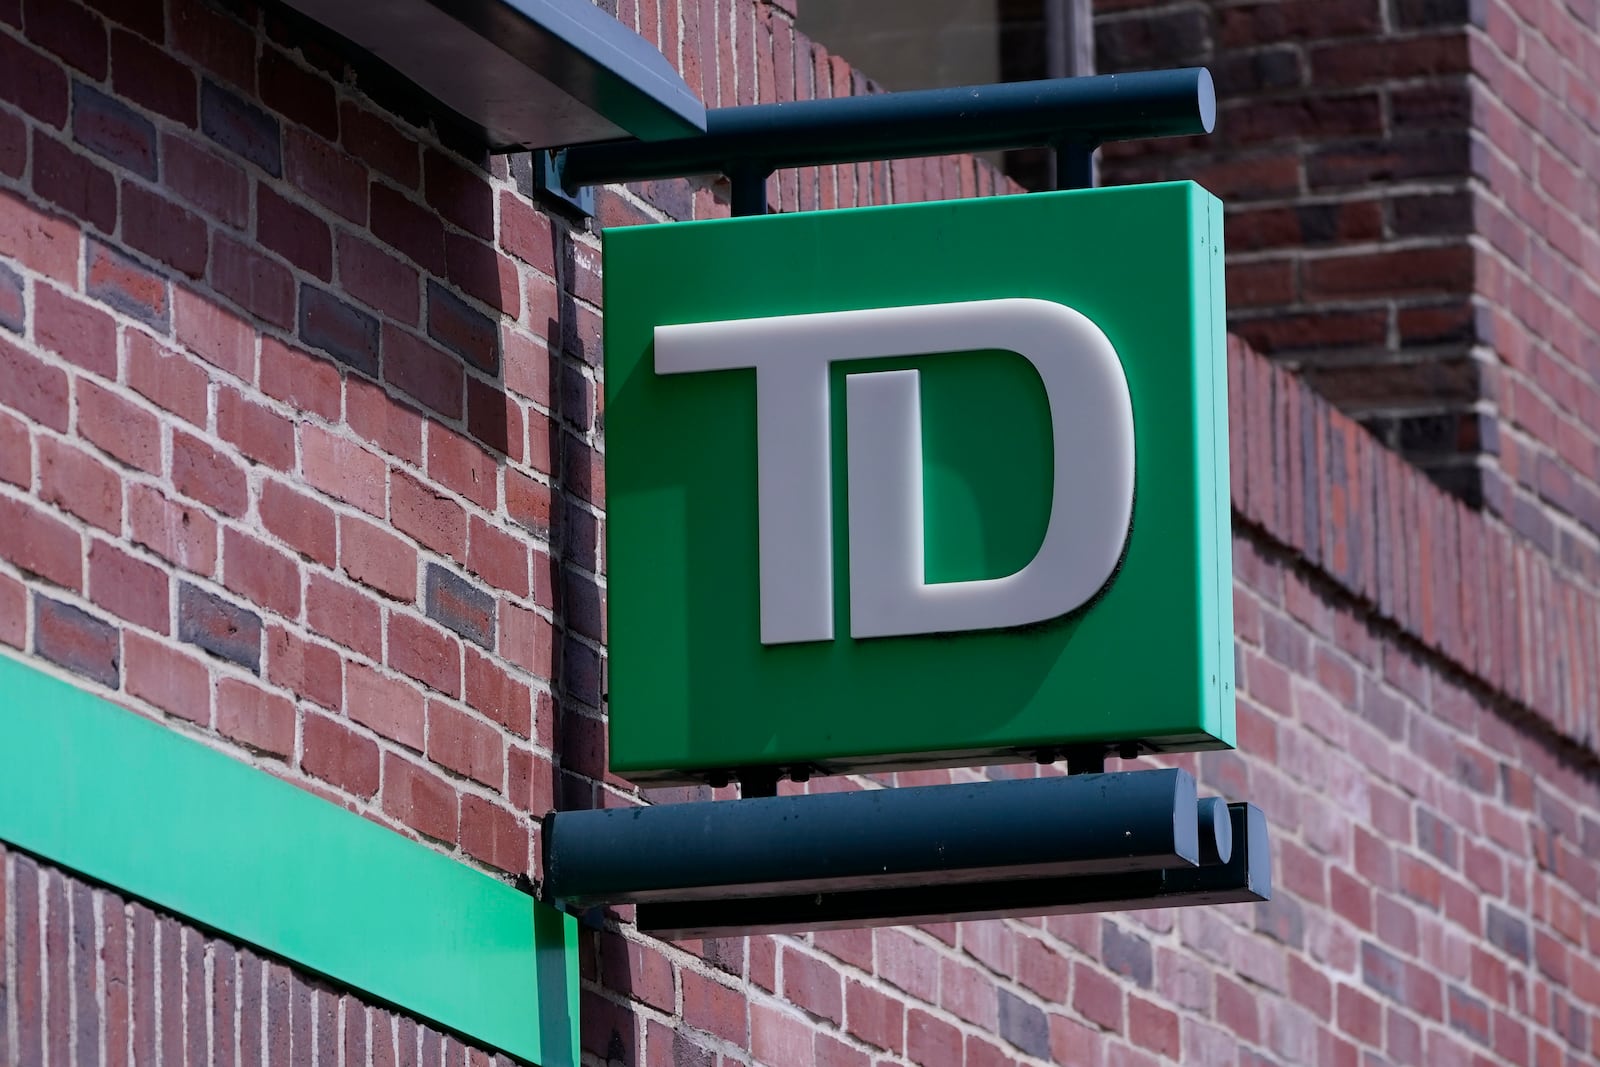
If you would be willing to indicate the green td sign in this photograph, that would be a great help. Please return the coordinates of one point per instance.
(918, 485)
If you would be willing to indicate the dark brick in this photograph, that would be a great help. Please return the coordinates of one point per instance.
(32, 82)
(1507, 932)
(456, 603)
(339, 329)
(411, 228)
(467, 332)
(1382, 971)
(13, 313)
(1024, 1025)
(71, 31)
(298, 94)
(220, 628)
(109, 128)
(1436, 837)
(241, 127)
(163, 230)
(147, 17)
(72, 638)
(427, 373)
(1126, 954)
(79, 186)
(294, 233)
(1282, 919)
(149, 77)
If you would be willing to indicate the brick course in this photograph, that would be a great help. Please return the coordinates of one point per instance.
(328, 389)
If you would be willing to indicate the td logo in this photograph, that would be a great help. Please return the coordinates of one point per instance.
(869, 486)
(1091, 417)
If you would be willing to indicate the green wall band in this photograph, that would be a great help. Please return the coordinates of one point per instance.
(130, 803)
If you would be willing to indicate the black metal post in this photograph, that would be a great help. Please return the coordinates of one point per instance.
(929, 122)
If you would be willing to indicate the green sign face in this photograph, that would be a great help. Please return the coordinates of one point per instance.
(934, 484)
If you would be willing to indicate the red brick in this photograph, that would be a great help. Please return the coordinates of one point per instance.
(304, 524)
(525, 233)
(498, 557)
(130, 588)
(461, 196)
(1096, 997)
(78, 186)
(260, 573)
(342, 469)
(40, 544)
(393, 708)
(491, 691)
(309, 670)
(125, 286)
(167, 378)
(32, 387)
(814, 985)
(872, 1017)
(465, 744)
(205, 180)
(259, 719)
(425, 653)
(481, 272)
(294, 233)
(255, 430)
(258, 283)
(529, 502)
(214, 334)
(428, 374)
(336, 754)
(779, 1035)
(126, 431)
(75, 481)
(44, 243)
(377, 559)
(431, 517)
(326, 175)
(1153, 1027)
(419, 799)
(155, 672)
(203, 473)
(494, 835)
(296, 93)
(81, 333)
(408, 227)
(164, 230)
(72, 638)
(460, 465)
(714, 1008)
(383, 421)
(299, 379)
(345, 615)
(16, 452)
(379, 280)
(149, 77)
(174, 531)
(370, 138)
(527, 639)
(33, 82)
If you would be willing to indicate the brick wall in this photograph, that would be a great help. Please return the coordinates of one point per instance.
(300, 453)
(1344, 150)
(1409, 224)
(87, 977)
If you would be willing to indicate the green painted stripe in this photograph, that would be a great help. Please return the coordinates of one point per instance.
(139, 807)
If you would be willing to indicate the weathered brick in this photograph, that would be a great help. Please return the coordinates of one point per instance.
(72, 638)
(241, 127)
(156, 672)
(32, 387)
(111, 129)
(214, 333)
(338, 328)
(219, 627)
(457, 604)
(465, 744)
(342, 469)
(78, 331)
(258, 283)
(261, 574)
(180, 534)
(118, 281)
(391, 707)
(463, 329)
(163, 230)
(201, 472)
(75, 481)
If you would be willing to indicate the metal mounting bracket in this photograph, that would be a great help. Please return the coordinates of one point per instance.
(1072, 116)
